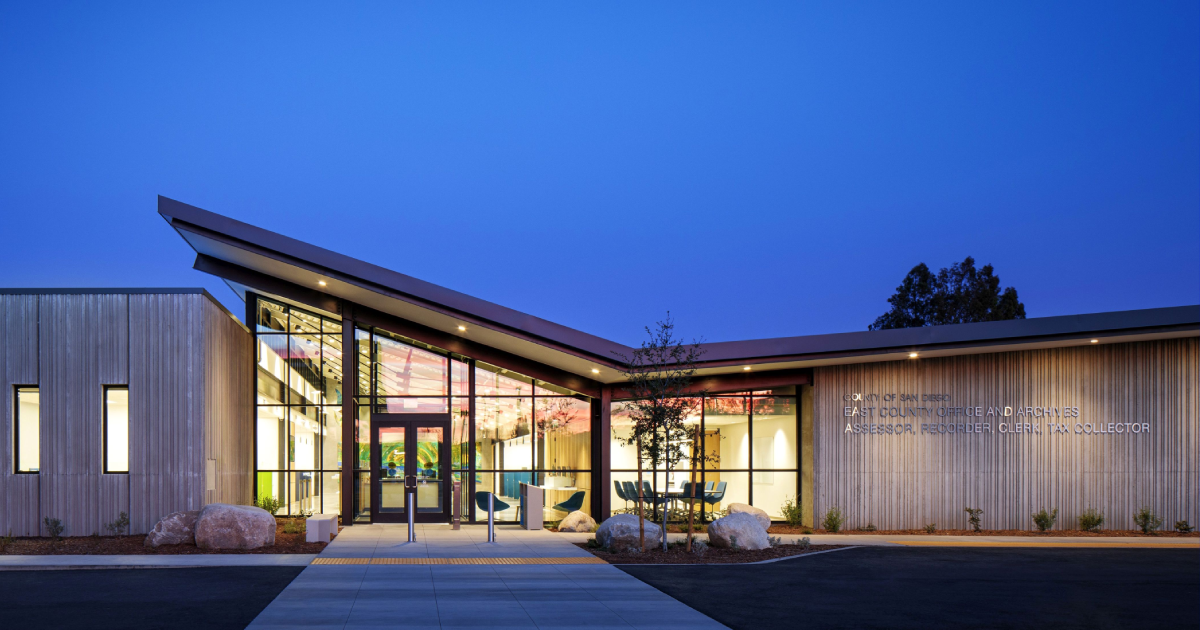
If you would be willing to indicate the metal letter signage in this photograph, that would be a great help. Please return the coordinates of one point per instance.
(937, 414)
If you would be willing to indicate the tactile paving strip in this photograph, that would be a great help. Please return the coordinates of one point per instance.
(460, 561)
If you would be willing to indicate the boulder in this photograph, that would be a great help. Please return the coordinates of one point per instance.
(175, 528)
(223, 526)
(741, 526)
(761, 515)
(577, 521)
(619, 534)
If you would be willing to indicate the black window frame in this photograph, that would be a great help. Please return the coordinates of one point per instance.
(16, 443)
(104, 429)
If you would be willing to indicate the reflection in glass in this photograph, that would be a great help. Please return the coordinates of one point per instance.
(406, 370)
(503, 433)
(392, 459)
(564, 433)
(272, 317)
(410, 405)
(430, 483)
(493, 381)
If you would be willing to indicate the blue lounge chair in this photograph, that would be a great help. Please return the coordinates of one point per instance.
(621, 493)
(714, 497)
(481, 501)
(630, 490)
(571, 504)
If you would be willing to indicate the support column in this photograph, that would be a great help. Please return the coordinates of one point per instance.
(807, 478)
(603, 437)
(349, 413)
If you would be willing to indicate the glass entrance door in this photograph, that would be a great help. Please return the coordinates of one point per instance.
(410, 450)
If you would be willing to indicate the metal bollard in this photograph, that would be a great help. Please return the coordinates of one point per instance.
(456, 501)
(412, 509)
(491, 517)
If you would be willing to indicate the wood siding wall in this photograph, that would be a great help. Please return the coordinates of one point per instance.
(229, 423)
(163, 347)
(906, 481)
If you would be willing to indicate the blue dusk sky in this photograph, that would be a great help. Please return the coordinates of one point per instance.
(759, 170)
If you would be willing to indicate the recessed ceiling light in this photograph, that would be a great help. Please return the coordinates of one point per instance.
(595, 371)
(1095, 341)
(463, 328)
(321, 282)
(912, 355)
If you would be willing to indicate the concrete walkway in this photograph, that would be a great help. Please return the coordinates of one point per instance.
(487, 596)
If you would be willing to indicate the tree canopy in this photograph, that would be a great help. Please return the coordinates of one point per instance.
(959, 294)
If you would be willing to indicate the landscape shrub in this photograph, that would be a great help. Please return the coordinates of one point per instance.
(975, 513)
(1146, 520)
(804, 543)
(1090, 520)
(54, 526)
(833, 521)
(1045, 520)
(791, 511)
(119, 526)
(6, 541)
(774, 541)
(268, 503)
(1183, 526)
(869, 527)
(295, 526)
(930, 528)
(699, 547)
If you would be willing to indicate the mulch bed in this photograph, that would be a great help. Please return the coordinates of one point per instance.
(135, 545)
(714, 555)
(1057, 533)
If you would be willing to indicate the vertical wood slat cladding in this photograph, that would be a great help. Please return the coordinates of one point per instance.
(187, 365)
(907, 481)
(82, 347)
(166, 416)
(229, 394)
(18, 366)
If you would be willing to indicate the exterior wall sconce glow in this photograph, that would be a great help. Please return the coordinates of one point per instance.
(747, 368)
(912, 355)
(463, 328)
(595, 371)
(321, 282)
(1095, 341)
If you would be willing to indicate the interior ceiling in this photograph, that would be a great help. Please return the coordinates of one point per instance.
(582, 363)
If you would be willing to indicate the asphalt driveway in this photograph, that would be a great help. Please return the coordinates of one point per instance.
(211, 598)
(889, 587)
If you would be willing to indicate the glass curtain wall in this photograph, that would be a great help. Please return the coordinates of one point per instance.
(523, 430)
(298, 425)
(749, 445)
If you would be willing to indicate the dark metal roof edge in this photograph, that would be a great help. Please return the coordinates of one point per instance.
(126, 291)
(300, 252)
(980, 334)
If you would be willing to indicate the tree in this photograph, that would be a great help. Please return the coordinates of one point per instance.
(659, 378)
(959, 294)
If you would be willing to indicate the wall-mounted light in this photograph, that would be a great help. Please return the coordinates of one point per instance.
(912, 355)
(321, 282)
(1095, 341)
(747, 368)
(595, 371)
(462, 328)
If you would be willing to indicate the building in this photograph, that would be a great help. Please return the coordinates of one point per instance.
(348, 378)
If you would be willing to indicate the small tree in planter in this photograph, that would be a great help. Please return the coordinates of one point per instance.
(659, 381)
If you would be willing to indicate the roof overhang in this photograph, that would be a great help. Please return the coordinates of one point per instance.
(250, 258)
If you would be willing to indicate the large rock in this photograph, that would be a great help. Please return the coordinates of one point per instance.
(577, 521)
(222, 526)
(175, 528)
(619, 534)
(763, 519)
(741, 526)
